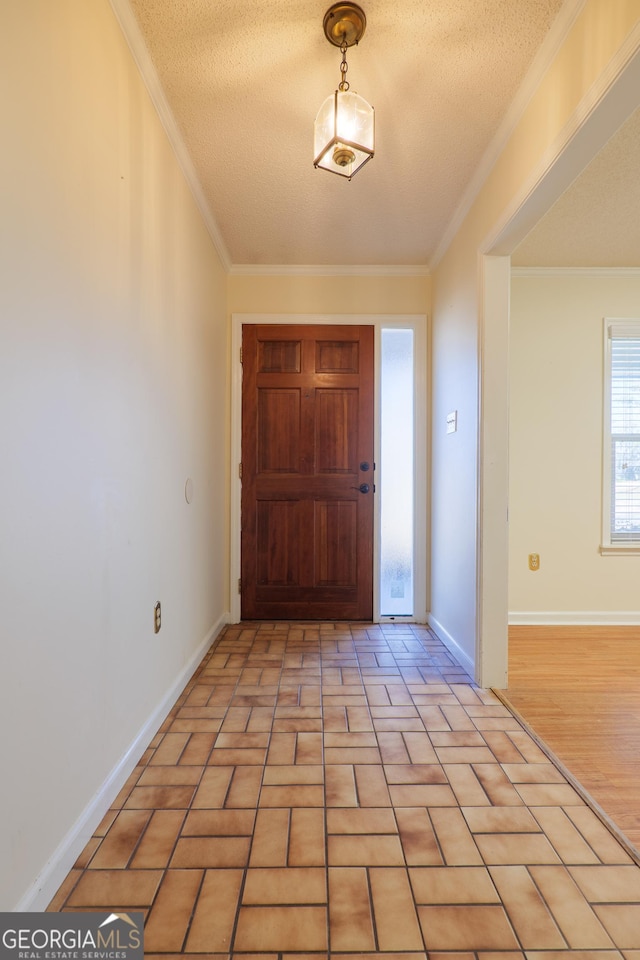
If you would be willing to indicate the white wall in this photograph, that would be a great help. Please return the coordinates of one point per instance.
(555, 442)
(568, 116)
(113, 385)
(454, 518)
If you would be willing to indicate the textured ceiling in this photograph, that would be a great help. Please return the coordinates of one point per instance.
(244, 82)
(595, 222)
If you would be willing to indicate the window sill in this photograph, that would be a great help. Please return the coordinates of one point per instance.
(620, 549)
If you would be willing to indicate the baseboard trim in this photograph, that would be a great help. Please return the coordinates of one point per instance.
(575, 617)
(40, 894)
(452, 645)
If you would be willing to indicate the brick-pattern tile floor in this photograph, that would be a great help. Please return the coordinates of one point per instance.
(344, 790)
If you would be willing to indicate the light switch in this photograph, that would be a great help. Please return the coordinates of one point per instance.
(452, 422)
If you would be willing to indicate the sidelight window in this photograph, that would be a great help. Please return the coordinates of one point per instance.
(397, 473)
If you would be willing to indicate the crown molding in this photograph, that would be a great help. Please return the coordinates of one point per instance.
(133, 36)
(549, 48)
(328, 270)
(597, 273)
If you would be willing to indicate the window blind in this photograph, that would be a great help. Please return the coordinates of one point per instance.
(625, 436)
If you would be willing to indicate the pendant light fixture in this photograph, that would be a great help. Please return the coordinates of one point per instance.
(344, 127)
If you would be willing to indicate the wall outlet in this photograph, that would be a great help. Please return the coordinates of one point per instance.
(534, 561)
(157, 617)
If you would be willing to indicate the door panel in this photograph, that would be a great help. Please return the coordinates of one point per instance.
(279, 528)
(278, 431)
(336, 431)
(307, 426)
(336, 531)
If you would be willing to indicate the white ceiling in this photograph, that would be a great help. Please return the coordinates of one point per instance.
(244, 82)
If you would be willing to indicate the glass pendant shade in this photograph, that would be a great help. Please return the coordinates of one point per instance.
(343, 134)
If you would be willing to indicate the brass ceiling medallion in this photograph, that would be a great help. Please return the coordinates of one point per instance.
(344, 126)
(344, 23)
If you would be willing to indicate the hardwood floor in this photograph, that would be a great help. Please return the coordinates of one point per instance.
(578, 688)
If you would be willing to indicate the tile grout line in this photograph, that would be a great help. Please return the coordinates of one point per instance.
(204, 871)
(332, 654)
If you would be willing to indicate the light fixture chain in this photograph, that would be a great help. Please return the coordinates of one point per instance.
(343, 86)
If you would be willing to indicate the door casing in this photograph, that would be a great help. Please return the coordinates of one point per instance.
(416, 322)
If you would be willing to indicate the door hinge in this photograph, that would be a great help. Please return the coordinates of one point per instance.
(240, 354)
(240, 470)
(239, 586)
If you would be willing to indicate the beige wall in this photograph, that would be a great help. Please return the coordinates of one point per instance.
(555, 446)
(329, 294)
(577, 95)
(113, 372)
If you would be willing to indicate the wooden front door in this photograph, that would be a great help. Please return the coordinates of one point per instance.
(307, 472)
